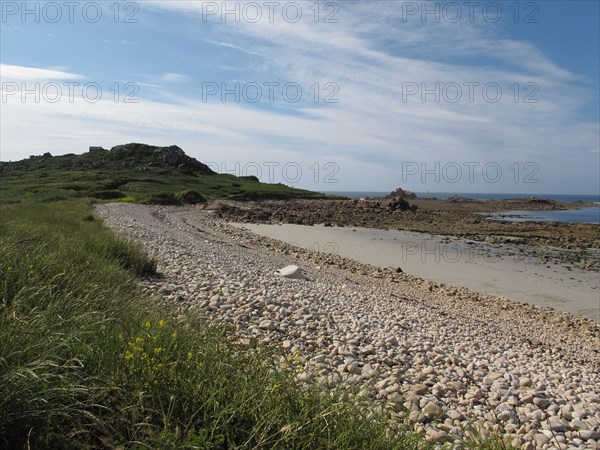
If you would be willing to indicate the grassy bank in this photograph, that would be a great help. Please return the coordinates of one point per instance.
(87, 361)
(134, 172)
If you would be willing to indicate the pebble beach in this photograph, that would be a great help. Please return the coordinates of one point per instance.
(442, 357)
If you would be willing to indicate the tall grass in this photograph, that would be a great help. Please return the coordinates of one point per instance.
(87, 361)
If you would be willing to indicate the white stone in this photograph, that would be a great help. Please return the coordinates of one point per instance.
(293, 272)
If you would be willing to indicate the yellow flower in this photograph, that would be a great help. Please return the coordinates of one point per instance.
(161, 323)
(139, 340)
(157, 350)
(148, 324)
(189, 355)
(174, 335)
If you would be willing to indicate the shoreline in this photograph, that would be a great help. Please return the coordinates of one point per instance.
(437, 356)
(504, 270)
(449, 218)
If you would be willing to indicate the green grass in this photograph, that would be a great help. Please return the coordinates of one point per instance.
(87, 361)
(135, 173)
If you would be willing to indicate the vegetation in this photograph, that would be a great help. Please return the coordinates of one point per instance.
(134, 172)
(87, 361)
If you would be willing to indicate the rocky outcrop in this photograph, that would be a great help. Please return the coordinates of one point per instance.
(399, 192)
(313, 212)
(397, 204)
(171, 156)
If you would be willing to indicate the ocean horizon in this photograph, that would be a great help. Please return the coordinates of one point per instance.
(476, 196)
(582, 215)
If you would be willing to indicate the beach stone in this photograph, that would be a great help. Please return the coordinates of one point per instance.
(577, 424)
(431, 409)
(428, 370)
(266, 325)
(587, 435)
(537, 415)
(418, 389)
(292, 272)
(438, 436)
(556, 424)
(368, 372)
(541, 439)
(525, 382)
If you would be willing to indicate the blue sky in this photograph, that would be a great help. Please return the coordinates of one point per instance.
(353, 95)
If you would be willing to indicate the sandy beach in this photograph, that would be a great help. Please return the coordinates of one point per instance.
(515, 272)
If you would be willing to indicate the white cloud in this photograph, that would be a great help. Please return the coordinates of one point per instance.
(229, 45)
(10, 72)
(172, 77)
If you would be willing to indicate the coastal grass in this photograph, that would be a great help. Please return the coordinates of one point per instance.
(131, 175)
(87, 360)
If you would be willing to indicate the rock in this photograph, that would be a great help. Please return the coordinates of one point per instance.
(577, 424)
(292, 272)
(541, 439)
(541, 403)
(586, 435)
(537, 415)
(397, 204)
(438, 436)
(555, 424)
(368, 372)
(504, 416)
(455, 415)
(266, 325)
(418, 389)
(525, 382)
(304, 376)
(399, 192)
(433, 410)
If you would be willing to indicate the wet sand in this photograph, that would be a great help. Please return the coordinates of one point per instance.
(504, 270)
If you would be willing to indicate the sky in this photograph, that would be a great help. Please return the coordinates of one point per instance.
(331, 96)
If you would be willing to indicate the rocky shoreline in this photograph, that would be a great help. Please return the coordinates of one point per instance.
(442, 356)
(461, 217)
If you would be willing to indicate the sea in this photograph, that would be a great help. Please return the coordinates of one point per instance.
(580, 215)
